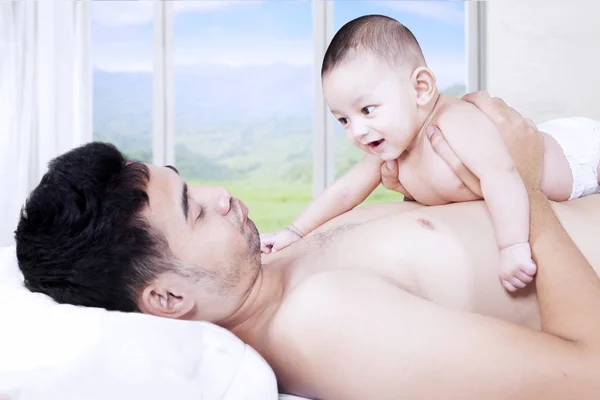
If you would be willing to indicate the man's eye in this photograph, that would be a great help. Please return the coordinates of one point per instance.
(343, 121)
(368, 110)
(201, 213)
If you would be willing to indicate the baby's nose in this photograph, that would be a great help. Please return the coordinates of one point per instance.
(359, 130)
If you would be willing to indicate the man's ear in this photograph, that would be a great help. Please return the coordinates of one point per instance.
(166, 301)
(423, 81)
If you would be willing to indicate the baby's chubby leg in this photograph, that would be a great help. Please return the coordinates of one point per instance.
(517, 268)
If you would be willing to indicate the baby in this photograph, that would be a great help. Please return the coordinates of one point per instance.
(377, 85)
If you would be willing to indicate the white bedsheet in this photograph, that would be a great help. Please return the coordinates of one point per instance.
(50, 351)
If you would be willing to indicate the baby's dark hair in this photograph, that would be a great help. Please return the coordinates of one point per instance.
(382, 36)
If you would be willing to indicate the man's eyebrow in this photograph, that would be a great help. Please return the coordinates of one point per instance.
(173, 168)
(184, 194)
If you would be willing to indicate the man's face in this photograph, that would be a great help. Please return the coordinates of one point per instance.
(209, 232)
(374, 103)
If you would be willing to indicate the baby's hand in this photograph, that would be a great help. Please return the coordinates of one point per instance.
(272, 242)
(517, 268)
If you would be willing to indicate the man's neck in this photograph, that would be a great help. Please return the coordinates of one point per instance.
(260, 305)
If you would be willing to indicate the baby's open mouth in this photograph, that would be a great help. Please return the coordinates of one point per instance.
(375, 144)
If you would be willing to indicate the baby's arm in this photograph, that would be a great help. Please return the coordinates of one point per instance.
(476, 141)
(345, 194)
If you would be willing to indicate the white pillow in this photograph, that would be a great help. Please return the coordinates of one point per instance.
(54, 351)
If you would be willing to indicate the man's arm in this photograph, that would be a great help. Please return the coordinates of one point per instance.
(345, 194)
(568, 287)
(376, 341)
(483, 152)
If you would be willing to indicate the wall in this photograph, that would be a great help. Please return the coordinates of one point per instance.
(543, 56)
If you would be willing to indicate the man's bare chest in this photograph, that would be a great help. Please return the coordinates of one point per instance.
(412, 252)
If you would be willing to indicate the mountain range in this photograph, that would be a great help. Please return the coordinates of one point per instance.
(230, 121)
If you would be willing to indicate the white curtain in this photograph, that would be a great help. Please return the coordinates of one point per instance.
(45, 94)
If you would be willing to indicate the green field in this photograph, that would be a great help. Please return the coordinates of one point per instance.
(273, 205)
(278, 184)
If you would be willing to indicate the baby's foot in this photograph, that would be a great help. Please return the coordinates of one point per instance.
(517, 268)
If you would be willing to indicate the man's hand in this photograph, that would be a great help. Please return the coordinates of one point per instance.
(390, 181)
(389, 169)
(522, 138)
(441, 146)
(524, 141)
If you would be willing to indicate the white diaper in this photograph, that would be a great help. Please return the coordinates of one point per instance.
(579, 138)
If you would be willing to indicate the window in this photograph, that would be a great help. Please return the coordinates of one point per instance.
(122, 51)
(439, 26)
(243, 109)
(229, 90)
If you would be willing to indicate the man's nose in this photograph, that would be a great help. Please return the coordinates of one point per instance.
(223, 200)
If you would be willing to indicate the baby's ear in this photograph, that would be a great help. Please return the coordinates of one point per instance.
(423, 81)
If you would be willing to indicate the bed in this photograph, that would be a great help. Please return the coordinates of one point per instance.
(55, 351)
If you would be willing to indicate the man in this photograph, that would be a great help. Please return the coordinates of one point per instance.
(376, 304)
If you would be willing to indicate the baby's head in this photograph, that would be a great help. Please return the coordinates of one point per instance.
(377, 84)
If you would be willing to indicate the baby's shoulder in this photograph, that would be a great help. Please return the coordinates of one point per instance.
(453, 113)
(452, 108)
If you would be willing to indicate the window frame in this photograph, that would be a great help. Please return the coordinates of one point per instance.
(163, 132)
(163, 126)
(475, 19)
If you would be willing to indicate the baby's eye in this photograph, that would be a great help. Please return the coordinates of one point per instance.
(368, 110)
(343, 121)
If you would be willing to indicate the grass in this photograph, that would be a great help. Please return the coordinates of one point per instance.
(281, 185)
(275, 204)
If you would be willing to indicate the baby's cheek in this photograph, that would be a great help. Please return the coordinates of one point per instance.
(358, 145)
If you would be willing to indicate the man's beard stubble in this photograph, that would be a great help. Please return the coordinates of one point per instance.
(253, 239)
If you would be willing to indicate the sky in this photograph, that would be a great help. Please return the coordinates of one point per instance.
(265, 32)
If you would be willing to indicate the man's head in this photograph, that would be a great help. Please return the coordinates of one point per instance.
(102, 231)
(377, 84)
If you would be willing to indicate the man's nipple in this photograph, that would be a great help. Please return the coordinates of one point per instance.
(425, 223)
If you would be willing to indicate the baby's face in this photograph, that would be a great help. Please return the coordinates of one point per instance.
(375, 105)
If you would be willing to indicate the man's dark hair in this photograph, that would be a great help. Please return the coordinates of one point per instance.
(81, 237)
(382, 36)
